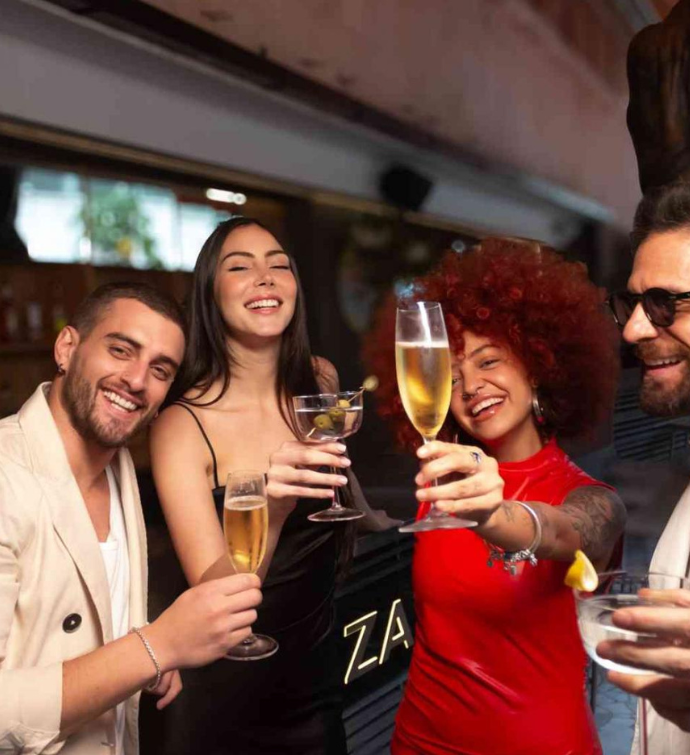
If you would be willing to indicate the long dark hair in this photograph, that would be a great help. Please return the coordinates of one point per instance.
(209, 358)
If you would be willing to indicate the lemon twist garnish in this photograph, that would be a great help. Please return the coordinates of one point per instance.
(582, 575)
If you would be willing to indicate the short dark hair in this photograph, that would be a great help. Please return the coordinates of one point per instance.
(95, 305)
(663, 208)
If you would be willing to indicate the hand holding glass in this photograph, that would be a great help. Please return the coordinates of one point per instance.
(595, 618)
(245, 525)
(327, 417)
(422, 362)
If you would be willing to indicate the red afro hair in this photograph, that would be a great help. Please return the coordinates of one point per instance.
(523, 295)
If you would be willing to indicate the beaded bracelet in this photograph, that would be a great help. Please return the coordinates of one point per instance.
(152, 655)
(512, 558)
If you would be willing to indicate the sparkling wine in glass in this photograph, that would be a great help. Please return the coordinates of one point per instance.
(594, 615)
(423, 369)
(328, 417)
(245, 526)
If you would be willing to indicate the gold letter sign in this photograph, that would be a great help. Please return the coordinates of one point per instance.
(398, 632)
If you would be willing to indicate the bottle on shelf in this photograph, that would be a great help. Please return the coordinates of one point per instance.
(9, 316)
(34, 322)
(59, 316)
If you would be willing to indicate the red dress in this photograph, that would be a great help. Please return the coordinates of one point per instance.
(498, 664)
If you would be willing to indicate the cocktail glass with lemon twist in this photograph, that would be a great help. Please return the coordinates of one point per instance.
(422, 365)
(597, 596)
(326, 417)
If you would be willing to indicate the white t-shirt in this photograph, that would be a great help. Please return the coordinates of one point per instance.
(116, 559)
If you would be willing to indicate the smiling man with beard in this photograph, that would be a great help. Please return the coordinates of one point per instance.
(654, 314)
(75, 647)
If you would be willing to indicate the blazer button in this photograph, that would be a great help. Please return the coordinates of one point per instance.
(71, 623)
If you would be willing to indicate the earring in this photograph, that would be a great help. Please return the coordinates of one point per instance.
(60, 370)
(537, 409)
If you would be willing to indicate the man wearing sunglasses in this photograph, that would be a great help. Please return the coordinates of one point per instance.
(654, 314)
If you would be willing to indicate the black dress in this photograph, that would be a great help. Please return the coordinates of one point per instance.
(289, 703)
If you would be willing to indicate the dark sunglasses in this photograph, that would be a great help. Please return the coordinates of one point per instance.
(658, 304)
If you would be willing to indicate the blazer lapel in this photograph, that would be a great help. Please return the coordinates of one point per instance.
(70, 517)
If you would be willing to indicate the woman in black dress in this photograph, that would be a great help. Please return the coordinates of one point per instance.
(247, 355)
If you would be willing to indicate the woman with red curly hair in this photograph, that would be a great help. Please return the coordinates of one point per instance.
(498, 665)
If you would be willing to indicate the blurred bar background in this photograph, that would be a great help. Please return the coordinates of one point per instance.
(370, 137)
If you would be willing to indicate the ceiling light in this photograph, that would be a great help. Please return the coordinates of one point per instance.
(221, 195)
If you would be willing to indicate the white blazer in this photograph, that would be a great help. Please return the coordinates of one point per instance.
(54, 595)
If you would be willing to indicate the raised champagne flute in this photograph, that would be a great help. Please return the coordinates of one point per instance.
(422, 364)
(618, 589)
(325, 417)
(245, 524)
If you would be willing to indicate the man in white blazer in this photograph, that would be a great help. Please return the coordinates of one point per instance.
(655, 316)
(73, 571)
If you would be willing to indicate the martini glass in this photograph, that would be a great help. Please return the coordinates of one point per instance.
(326, 417)
(618, 589)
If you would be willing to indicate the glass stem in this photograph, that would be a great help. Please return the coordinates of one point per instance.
(433, 511)
(336, 493)
(249, 641)
(337, 501)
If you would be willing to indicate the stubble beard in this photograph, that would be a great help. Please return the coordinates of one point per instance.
(79, 400)
(666, 402)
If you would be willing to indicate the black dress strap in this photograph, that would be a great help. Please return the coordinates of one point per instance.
(208, 442)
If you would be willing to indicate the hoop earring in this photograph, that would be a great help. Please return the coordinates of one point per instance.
(537, 409)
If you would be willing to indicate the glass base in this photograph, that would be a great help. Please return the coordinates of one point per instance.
(254, 648)
(339, 514)
(444, 522)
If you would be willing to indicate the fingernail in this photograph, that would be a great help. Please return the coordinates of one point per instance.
(342, 480)
(341, 447)
(418, 480)
(422, 452)
(603, 648)
(421, 495)
(345, 462)
(622, 619)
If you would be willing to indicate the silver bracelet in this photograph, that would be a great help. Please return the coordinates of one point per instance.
(152, 656)
(512, 558)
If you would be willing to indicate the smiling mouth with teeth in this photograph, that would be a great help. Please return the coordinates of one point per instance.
(264, 304)
(657, 363)
(476, 410)
(119, 401)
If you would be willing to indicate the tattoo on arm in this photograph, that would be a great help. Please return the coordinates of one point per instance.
(598, 516)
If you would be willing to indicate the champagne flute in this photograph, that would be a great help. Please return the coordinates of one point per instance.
(245, 525)
(594, 614)
(326, 417)
(422, 362)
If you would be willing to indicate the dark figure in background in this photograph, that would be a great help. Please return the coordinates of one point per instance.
(248, 354)
(659, 108)
(12, 248)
